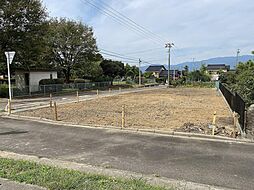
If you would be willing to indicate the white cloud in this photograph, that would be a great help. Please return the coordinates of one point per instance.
(199, 28)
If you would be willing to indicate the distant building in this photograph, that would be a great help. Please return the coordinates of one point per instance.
(29, 80)
(175, 74)
(215, 69)
(156, 69)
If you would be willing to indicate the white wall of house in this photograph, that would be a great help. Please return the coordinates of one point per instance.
(35, 77)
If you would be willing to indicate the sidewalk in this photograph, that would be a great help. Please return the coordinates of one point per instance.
(10, 185)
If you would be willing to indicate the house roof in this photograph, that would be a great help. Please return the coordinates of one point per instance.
(211, 67)
(155, 68)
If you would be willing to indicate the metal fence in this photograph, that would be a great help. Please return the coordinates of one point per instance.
(236, 103)
(32, 90)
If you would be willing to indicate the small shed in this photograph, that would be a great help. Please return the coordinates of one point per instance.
(29, 79)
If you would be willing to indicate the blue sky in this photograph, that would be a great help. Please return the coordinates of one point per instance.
(200, 29)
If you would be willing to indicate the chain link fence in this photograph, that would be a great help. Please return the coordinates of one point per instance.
(33, 90)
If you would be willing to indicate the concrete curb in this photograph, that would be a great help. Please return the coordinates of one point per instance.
(6, 184)
(159, 181)
(191, 136)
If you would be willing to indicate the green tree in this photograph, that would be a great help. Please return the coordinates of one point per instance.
(148, 75)
(72, 45)
(112, 68)
(23, 28)
(198, 76)
(203, 69)
(131, 71)
(245, 81)
(186, 70)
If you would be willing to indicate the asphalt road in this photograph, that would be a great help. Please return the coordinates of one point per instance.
(221, 164)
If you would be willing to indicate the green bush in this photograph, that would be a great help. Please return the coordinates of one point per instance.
(51, 81)
(4, 91)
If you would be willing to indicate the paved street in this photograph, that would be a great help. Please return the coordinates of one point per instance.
(214, 163)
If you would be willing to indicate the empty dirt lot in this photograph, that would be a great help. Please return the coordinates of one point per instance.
(166, 109)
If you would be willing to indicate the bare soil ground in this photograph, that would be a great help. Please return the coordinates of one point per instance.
(165, 109)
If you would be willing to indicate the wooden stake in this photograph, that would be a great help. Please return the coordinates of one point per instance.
(214, 118)
(77, 96)
(55, 108)
(97, 92)
(120, 89)
(214, 122)
(9, 107)
(50, 100)
(123, 116)
(109, 90)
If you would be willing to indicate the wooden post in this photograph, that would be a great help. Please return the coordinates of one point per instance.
(9, 107)
(50, 100)
(123, 116)
(109, 90)
(55, 108)
(97, 92)
(77, 96)
(214, 122)
(120, 89)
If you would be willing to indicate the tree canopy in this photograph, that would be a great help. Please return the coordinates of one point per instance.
(72, 44)
(112, 68)
(23, 28)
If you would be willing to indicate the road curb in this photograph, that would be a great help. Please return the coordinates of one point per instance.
(150, 179)
(184, 135)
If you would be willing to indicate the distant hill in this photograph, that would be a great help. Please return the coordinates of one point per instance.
(231, 60)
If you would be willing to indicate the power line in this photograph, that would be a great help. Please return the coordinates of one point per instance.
(144, 51)
(121, 21)
(133, 22)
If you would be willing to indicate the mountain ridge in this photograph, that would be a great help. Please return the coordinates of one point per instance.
(228, 60)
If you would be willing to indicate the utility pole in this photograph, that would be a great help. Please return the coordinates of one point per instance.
(169, 46)
(237, 57)
(139, 70)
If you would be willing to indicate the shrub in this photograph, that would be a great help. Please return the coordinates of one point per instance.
(51, 81)
(4, 91)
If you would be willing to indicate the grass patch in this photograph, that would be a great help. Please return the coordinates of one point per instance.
(54, 178)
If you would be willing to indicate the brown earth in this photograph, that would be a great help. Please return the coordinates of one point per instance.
(167, 109)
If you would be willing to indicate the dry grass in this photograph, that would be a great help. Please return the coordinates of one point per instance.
(165, 109)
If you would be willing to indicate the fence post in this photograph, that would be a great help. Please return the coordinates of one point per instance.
(214, 122)
(123, 116)
(50, 100)
(9, 107)
(55, 111)
(97, 92)
(77, 96)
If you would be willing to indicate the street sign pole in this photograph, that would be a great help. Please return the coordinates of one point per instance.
(9, 56)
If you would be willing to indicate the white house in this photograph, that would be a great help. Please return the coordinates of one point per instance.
(29, 80)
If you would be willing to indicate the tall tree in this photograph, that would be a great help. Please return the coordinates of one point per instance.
(23, 28)
(72, 44)
(112, 68)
